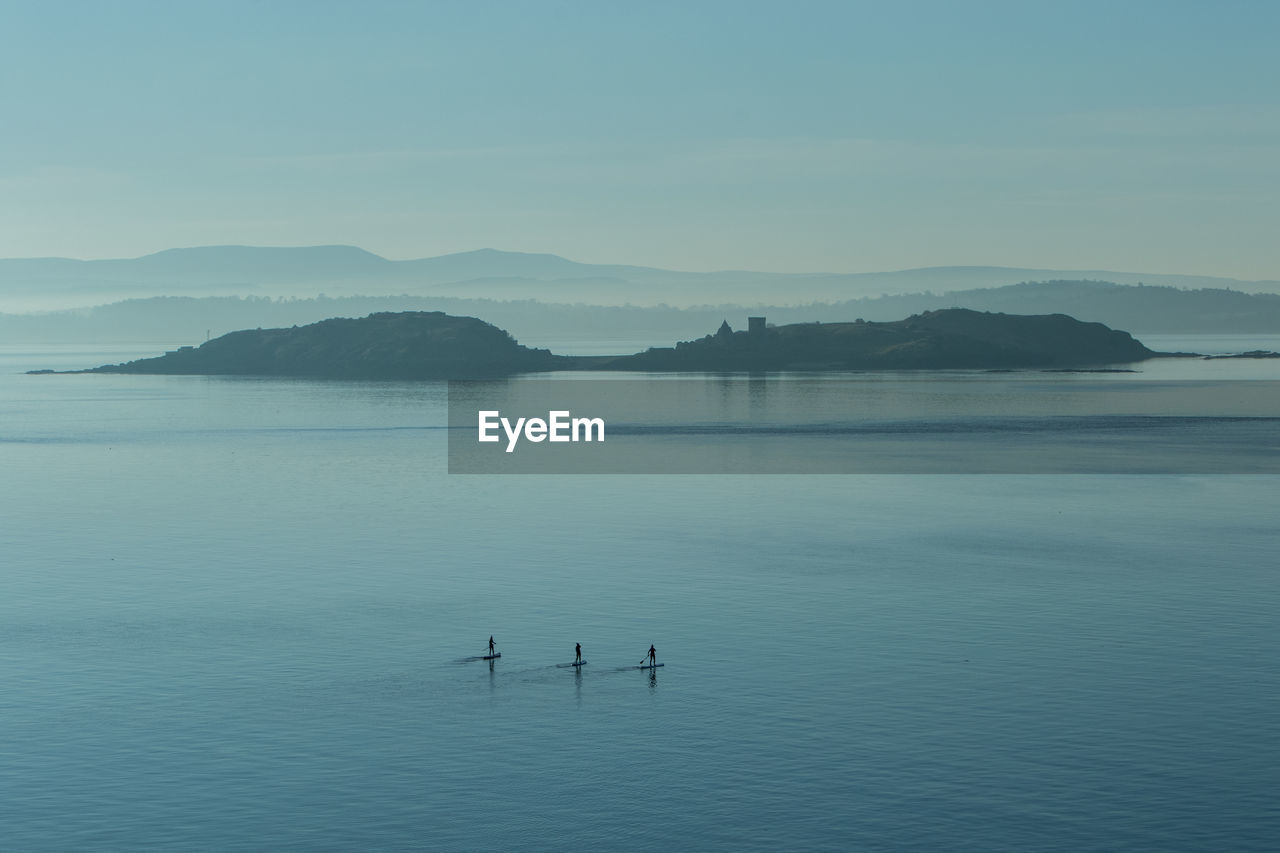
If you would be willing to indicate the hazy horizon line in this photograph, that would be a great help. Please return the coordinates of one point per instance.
(721, 270)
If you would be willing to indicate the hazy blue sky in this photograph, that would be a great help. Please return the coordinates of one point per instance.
(697, 135)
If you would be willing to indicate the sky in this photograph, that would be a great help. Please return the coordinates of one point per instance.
(786, 136)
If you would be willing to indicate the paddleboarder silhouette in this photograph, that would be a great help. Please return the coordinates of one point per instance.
(653, 655)
(490, 645)
(577, 652)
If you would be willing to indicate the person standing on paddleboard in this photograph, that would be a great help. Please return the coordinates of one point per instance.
(653, 655)
(577, 652)
(490, 645)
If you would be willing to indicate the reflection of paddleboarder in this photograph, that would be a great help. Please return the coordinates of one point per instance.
(653, 655)
(577, 652)
(490, 645)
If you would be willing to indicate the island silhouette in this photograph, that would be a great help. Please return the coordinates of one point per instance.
(953, 338)
(435, 345)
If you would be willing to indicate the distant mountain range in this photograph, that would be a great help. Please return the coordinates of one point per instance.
(45, 283)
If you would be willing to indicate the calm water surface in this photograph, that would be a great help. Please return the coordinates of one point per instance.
(242, 614)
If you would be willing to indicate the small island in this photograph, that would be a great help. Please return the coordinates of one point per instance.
(1256, 353)
(406, 345)
(418, 345)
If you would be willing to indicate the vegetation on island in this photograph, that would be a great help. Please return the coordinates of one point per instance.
(406, 345)
(954, 338)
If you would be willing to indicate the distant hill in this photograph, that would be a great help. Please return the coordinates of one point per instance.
(1141, 308)
(45, 283)
(432, 345)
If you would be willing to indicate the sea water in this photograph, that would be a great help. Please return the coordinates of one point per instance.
(244, 614)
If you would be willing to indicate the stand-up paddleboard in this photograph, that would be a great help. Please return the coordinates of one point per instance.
(492, 657)
(651, 666)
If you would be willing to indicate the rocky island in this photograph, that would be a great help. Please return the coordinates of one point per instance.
(433, 345)
(954, 338)
(407, 345)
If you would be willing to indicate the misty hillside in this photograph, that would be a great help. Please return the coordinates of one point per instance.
(1144, 310)
(45, 283)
